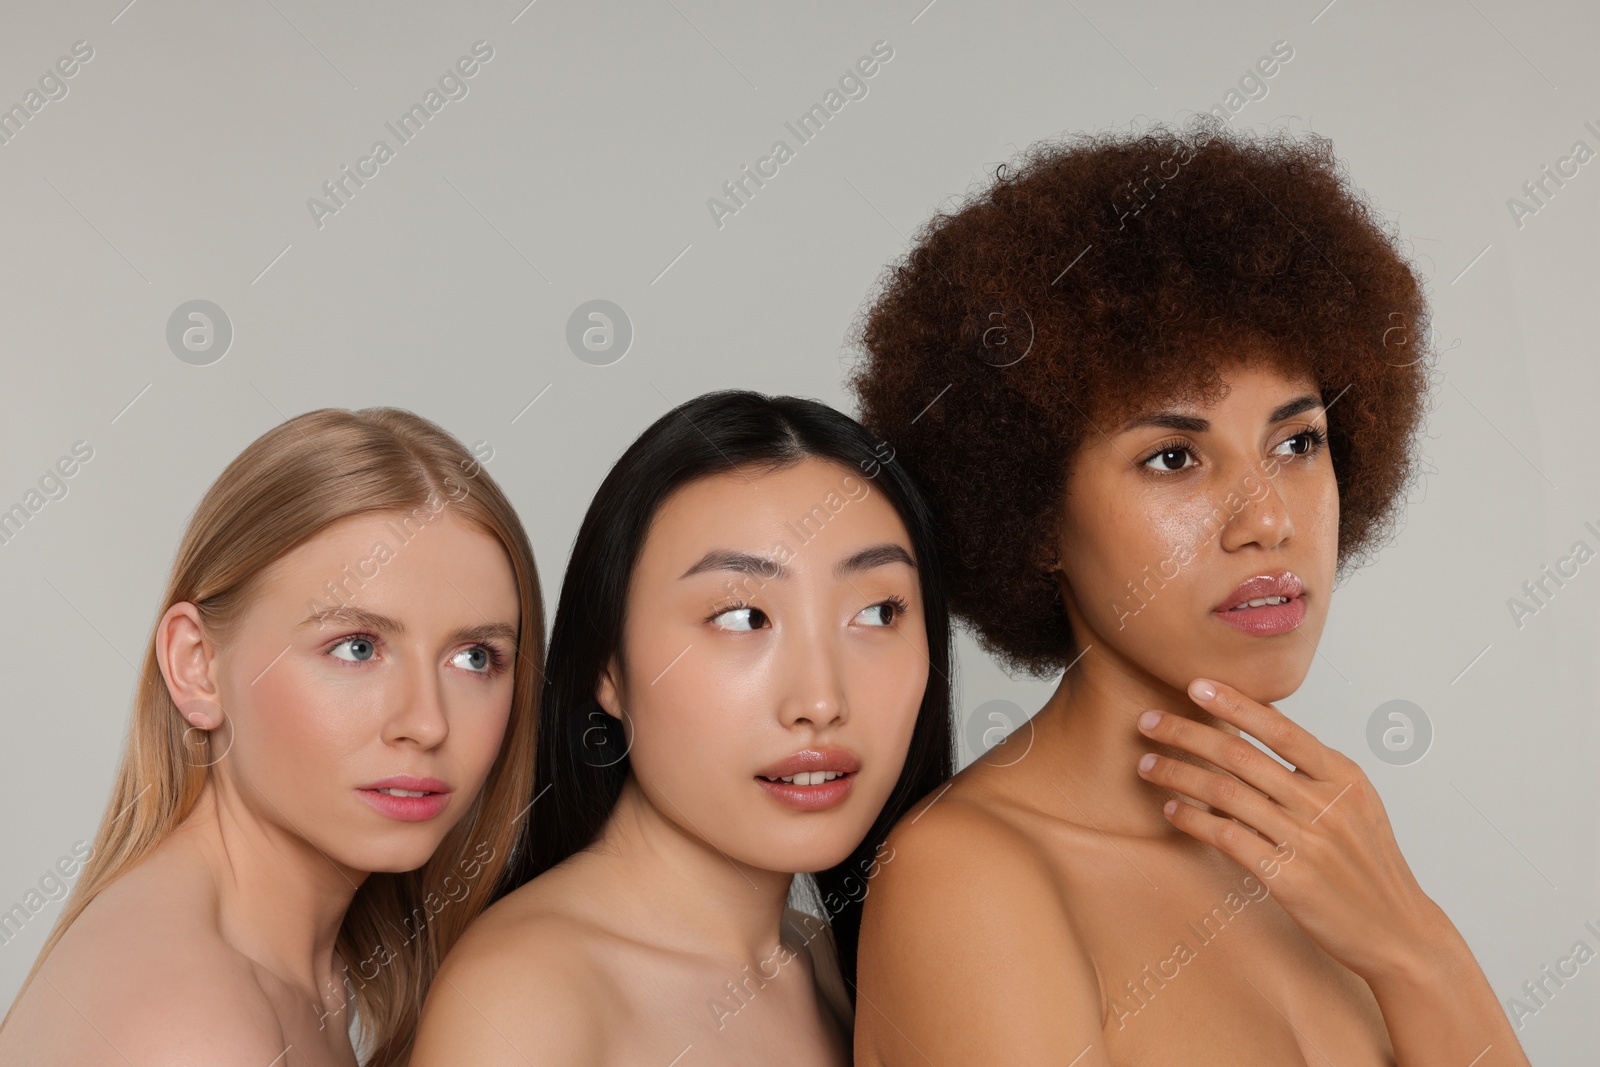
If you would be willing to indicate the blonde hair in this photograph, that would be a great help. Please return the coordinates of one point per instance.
(290, 483)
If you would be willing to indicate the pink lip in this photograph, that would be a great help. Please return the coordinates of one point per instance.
(812, 797)
(813, 759)
(407, 809)
(1269, 619)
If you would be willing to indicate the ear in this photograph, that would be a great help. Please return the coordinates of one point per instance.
(187, 657)
(608, 690)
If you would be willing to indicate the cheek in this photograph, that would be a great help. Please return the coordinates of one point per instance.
(1180, 529)
(1125, 560)
(1318, 522)
(690, 719)
(291, 721)
(479, 716)
(884, 692)
(1327, 515)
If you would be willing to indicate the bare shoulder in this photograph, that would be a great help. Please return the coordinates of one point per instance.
(144, 976)
(961, 836)
(524, 982)
(959, 850)
(967, 945)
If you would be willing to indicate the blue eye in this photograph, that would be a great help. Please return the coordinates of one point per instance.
(481, 659)
(361, 648)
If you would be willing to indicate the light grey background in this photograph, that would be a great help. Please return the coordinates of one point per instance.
(579, 166)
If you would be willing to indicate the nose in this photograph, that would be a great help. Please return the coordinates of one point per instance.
(418, 715)
(1264, 518)
(812, 686)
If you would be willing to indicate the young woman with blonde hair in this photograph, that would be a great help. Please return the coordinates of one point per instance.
(330, 752)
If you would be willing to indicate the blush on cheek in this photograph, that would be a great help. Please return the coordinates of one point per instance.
(297, 730)
(476, 737)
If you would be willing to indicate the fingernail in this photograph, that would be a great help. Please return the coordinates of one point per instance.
(1170, 806)
(1201, 689)
(1148, 720)
(1147, 761)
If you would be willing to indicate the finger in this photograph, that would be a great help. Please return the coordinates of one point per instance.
(1266, 724)
(1221, 792)
(1228, 751)
(1244, 847)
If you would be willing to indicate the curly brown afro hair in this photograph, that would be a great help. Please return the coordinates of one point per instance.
(1104, 273)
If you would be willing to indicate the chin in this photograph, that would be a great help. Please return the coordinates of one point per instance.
(393, 860)
(799, 856)
(1269, 681)
(812, 863)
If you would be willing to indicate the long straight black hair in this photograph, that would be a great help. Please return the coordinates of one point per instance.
(581, 761)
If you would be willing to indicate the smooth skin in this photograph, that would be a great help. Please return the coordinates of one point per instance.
(1049, 908)
(623, 954)
(218, 949)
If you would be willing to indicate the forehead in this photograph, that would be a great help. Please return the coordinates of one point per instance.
(403, 563)
(1213, 384)
(825, 506)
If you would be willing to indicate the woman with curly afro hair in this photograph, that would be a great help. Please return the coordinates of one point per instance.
(1161, 388)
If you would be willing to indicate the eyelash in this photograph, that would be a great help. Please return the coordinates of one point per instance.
(898, 601)
(1319, 441)
(497, 659)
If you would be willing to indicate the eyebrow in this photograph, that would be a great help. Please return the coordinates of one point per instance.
(723, 559)
(1171, 420)
(383, 624)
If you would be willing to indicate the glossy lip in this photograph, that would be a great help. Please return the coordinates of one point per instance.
(407, 809)
(814, 759)
(812, 797)
(1284, 583)
(1271, 619)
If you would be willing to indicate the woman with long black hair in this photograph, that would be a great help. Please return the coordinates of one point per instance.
(748, 678)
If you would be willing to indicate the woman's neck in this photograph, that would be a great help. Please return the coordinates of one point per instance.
(699, 899)
(1087, 742)
(280, 901)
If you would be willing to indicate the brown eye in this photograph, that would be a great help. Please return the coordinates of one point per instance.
(884, 612)
(1169, 459)
(1303, 443)
(740, 618)
(878, 614)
